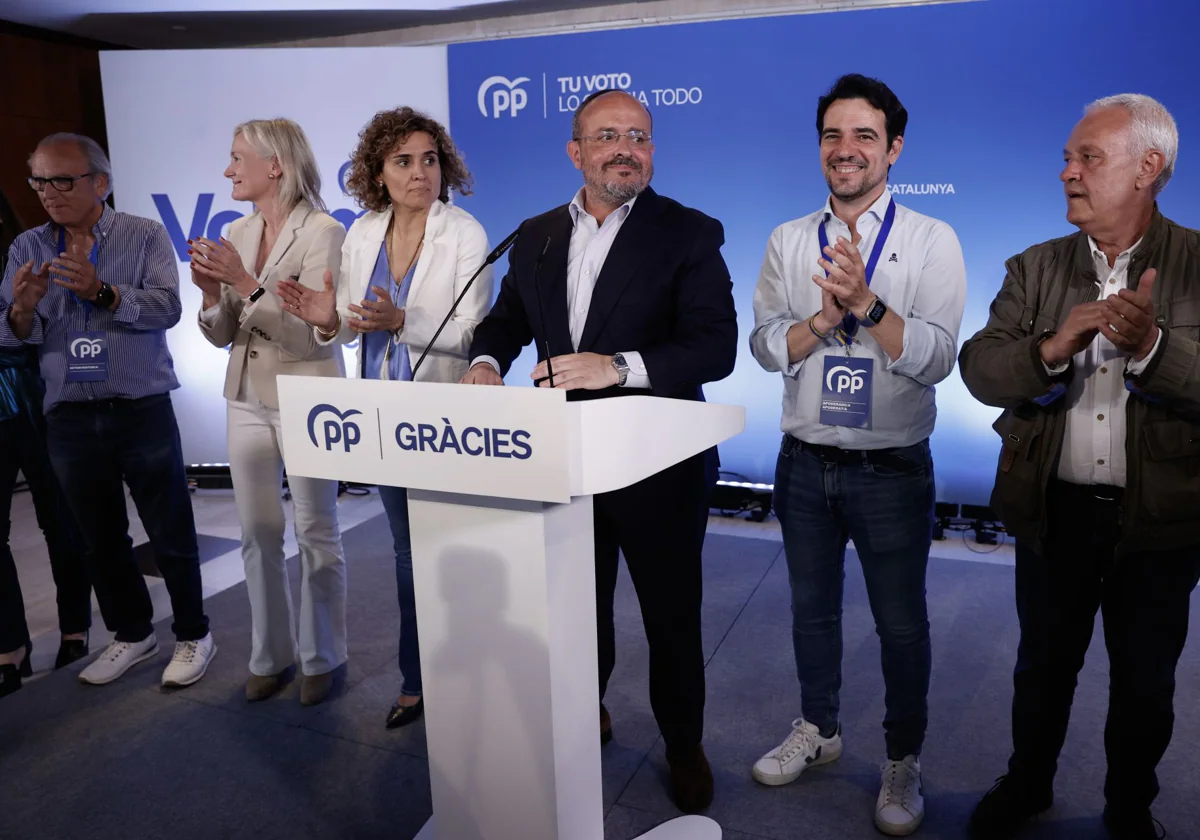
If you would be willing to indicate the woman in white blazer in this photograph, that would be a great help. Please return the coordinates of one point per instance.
(288, 237)
(404, 263)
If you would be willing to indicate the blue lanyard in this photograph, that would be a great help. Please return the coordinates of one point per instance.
(850, 323)
(92, 258)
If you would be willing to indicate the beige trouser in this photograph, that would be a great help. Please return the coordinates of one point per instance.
(256, 465)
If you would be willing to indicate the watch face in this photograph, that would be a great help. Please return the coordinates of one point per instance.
(877, 311)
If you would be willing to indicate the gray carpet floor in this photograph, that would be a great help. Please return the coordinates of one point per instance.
(131, 761)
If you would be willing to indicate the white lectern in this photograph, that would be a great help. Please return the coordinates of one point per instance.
(500, 502)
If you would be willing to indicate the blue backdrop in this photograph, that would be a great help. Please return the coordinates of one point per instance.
(992, 90)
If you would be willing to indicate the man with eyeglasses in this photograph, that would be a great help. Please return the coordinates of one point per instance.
(636, 299)
(858, 307)
(95, 291)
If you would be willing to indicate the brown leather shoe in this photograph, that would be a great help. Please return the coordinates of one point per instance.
(605, 726)
(315, 689)
(691, 779)
(260, 688)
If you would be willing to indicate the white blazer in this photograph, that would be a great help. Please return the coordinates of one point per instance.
(455, 247)
(268, 341)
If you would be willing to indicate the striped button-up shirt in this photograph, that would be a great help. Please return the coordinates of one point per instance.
(135, 257)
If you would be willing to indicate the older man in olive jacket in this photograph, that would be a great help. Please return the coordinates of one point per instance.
(1092, 351)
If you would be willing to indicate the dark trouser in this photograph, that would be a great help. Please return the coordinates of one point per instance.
(659, 525)
(23, 447)
(96, 445)
(883, 500)
(1144, 598)
(395, 504)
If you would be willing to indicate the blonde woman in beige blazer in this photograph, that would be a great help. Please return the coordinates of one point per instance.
(289, 236)
(404, 263)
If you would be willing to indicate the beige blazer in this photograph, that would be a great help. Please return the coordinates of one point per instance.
(267, 341)
(455, 247)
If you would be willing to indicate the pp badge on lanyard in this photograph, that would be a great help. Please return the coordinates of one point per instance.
(844, 333)
(87, 349)
(846, 391)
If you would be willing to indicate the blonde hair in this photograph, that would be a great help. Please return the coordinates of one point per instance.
(285, 141)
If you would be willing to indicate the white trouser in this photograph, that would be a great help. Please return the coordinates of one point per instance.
(256, 465)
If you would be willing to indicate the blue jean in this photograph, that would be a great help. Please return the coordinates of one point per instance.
(882, 500)
(95, 446)
(395, 504)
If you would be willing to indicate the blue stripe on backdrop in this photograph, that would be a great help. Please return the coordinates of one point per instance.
(992, 89)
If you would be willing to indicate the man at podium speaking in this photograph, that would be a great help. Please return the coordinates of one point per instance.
(626, 292)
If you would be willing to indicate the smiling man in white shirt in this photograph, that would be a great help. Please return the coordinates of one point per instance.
(858, 307)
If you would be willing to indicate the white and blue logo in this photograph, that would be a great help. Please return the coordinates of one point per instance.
(338, 430)
(506, 97)
(841, 379)
(87, 348)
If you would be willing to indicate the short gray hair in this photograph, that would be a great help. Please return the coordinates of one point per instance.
(97, 159)
(285, 141)
(1152, 128)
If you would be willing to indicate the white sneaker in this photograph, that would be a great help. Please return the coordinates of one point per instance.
(189, 662)
(118, 658)
(900, 806)
(804, 748)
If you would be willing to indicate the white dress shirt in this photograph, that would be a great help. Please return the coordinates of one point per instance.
(1093, 447)
(589, 247)
(921, 277)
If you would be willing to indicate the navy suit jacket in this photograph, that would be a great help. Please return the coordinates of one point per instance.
(664, 291)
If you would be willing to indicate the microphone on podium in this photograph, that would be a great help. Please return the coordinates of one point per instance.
(496, 254)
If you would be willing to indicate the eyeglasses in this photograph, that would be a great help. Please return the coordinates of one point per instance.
(62, 184)
(610, 138)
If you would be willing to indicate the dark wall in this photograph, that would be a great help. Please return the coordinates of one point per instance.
(48, 83)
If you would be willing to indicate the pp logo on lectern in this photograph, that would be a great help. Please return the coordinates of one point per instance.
(842, 378)
(87, 348)
(334, 431)
(507, 97)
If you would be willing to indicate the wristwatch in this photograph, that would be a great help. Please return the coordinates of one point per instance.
(622, 368)
(875, 313)
(105, 297)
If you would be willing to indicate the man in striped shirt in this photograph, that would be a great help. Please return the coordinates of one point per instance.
(95, 291)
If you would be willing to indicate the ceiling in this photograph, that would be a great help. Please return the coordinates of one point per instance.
(183, 24)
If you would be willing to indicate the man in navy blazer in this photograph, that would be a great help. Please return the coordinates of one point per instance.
(627, 293)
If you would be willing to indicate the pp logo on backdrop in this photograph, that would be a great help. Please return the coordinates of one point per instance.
(87, 348)
(334, 431)
(506, 97)
(841, 379)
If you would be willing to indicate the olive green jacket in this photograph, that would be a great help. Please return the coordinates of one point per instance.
(1001, 367)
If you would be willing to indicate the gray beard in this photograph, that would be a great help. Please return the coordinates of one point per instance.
(622, 191)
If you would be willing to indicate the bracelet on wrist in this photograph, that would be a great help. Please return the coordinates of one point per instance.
(812, 325)
(337, 325)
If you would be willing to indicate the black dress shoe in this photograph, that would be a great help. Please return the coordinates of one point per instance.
(691, 779)
(605, 726)
(1132, 824)
(1006, 808)
(404, 715)
(70, 650)
(11, 675)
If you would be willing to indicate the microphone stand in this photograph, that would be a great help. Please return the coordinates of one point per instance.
(491, 258)
(537, 293)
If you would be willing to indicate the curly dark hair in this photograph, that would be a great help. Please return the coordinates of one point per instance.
(386, 131)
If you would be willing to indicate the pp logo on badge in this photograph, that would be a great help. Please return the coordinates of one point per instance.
(507, 97)
(841, 379)
(335, 431)
(87, 348)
